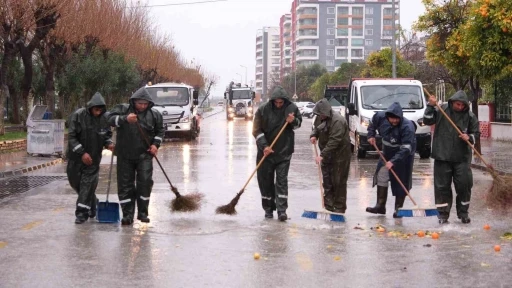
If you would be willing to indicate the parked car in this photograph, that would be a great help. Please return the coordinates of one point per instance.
(220, 103)
(308, 110)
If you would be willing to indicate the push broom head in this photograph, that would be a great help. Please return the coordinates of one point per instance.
(500, 194)
(229, 209)
(417, 212)
(186, 203)
(324, 215)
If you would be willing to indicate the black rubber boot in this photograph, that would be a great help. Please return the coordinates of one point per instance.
(281, 215)
(269, 214)
(382, 197)
(465, 219)
(399, 203)
(127, 221)
(143, 218)
(80, 220)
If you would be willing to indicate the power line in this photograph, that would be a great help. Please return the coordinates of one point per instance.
(178, 4)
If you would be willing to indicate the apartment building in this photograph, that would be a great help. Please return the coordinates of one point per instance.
(334, 32)
(285, 30)
(268, 64)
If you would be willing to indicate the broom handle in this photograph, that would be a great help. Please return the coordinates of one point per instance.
(110, 173)
(156, 158)
(394, 174)
(460, 133)
(264, 156)
(320, 178)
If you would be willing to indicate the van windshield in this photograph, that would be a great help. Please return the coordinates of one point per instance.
(241, 94)
(169, 96)
(380, 97)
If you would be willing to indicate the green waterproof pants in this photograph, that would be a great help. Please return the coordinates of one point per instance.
(274, 195)
(460, 173)
(134, 182)
(84, 180)
(335, 176)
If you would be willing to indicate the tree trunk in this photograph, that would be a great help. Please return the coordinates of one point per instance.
(474, 82)
(15, 105)
(9, 51)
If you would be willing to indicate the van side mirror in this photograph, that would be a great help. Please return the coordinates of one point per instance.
(253, 95)
(195, 95)
(351, 109)
(196, 102)
(225, 95)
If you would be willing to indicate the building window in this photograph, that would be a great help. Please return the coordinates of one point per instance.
(341, 53)
(368, 42)
(357, 42)
(367, 52)
(388, 11)
(330, 52)
(387, 22)
(357, 11)
(330, 20)
(342, 31)
(387, 32)
(330, 31)
(357, 21)
(369, 10)
(369, 21)
(386, 43)
(357, 32)
(330, 41)
(343, 10)
(342, 21)
(356, 53)
(343, 42)
(331, 10)
(329, 63)
(369, 32)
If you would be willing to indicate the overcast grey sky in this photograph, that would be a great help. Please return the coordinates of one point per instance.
(221, 36)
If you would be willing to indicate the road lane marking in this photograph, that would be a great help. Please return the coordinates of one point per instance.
(31, 225)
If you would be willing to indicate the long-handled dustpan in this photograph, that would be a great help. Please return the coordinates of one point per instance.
(323, 214)
(108, 212)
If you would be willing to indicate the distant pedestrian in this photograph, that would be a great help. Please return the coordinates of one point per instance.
(452, 154)
(268, 121)
(332, 133)
(88, 134)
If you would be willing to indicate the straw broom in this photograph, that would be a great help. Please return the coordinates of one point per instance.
(500, 194)
(229, 209)
(182, 203)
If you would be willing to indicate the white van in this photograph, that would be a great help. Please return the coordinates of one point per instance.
(177, 103)
(367, 96)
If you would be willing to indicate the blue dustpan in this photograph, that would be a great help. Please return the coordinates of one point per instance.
(108, 212)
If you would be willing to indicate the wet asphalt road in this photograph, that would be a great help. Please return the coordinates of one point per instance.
(40, 246)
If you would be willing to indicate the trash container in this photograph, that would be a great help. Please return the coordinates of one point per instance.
(44, 137)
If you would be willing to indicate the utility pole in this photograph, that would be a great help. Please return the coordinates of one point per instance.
(393, 46)
(245, 73)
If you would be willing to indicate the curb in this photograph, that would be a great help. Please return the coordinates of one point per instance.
(24, 170)
(485, 169)
(210, 115)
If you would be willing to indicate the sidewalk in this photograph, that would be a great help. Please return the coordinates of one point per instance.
(496, 153)
(17, 163)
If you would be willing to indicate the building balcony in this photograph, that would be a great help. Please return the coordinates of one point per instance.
(359, 16)
(307, 16)
(306, 26)
(391, 16)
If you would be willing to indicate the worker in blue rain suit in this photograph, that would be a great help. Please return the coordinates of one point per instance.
(452, 154)
(399, 146)
(134, 155)
(332, 134)
(88, 134)
(268, 121)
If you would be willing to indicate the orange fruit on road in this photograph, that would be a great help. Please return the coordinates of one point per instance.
(380, 229)
(256, 256)
(420, 234)
(435, 235)
(497, 248)
(487, 227)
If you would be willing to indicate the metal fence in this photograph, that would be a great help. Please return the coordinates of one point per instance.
(503, 100)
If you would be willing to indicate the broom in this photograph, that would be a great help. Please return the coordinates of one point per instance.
(182, 203)
(415, 211)
(324, 214)
(500, 194)
(229, 209)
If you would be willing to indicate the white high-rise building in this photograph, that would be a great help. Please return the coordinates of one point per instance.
(267, 59)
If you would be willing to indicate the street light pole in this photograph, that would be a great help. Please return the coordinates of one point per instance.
(245, 73)
(393, 46)
(240, 77)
